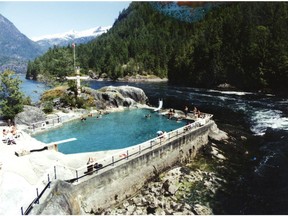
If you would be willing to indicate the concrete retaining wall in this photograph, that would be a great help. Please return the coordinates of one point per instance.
(108, 188)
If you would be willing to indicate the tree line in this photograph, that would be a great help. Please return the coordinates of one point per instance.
(243, 44)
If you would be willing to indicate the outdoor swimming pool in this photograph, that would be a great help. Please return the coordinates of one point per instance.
(113, 131)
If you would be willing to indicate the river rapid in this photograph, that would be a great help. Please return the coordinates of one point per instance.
(256, 171)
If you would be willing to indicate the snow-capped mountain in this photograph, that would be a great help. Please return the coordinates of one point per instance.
(63, 39)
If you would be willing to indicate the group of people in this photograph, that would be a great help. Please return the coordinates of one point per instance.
(162, 135)
(196, 112)
(91, 165)
(84, 118)
(9, 135)
(171, 113)
(148, 116)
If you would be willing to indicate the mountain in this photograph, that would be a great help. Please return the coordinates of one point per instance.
(243, 44)
(64, 39)
(16, 48)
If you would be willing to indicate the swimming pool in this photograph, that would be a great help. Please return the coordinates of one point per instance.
(113, 131)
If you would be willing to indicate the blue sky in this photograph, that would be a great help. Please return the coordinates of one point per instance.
(38, 18)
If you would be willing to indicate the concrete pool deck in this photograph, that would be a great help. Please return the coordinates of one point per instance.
(20, 176)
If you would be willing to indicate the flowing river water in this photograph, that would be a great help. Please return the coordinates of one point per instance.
(256, 182)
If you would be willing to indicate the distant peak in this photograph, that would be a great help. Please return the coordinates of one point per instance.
(75, 34)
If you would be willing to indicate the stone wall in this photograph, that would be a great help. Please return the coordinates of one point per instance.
(118, 182)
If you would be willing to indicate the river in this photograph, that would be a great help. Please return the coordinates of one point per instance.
(256, 183)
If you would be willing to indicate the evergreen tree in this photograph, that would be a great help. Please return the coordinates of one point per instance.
(11, 99)
(241, 43)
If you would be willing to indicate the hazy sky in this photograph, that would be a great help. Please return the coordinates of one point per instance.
(38, 18)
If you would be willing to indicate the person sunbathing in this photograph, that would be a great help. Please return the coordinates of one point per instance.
(14, 130)
(5, 132)
(11, 140)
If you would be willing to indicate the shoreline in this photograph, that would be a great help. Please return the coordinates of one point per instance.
(29, 170)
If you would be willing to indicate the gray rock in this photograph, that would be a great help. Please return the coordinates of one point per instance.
(137, 201)
(202, 210)
(140, 211)
(173, 189)
(131, 209)
(166, 185)
(243, 138)
(173, 205)
(155, 189)
(144, 201)
(125, 96)
(150, 199)
(30, 115)
(159, 211)
(125, 204)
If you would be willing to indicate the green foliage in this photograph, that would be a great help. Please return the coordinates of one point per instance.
(72, 101)
(48, 107)
(11, 98)
(244, 44)
(54, 65)
(27, 101)
(54, 93)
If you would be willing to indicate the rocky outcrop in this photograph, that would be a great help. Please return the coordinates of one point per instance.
(112, 96)
(169, 196)
(217, 134)
(30, 115)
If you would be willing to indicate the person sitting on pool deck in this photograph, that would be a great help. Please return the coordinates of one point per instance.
(170, 114)
(5, 135)
(89, 166)
(98, 166)
(162, 135)
(186, 110)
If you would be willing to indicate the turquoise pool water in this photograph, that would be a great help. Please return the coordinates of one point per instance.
(112, 131)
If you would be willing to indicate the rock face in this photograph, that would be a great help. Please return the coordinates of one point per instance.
(30, 115)
(169, 195)
(111, 96)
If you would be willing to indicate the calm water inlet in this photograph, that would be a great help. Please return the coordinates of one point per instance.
(112, 131)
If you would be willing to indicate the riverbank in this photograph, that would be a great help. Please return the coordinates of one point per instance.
(194, 187)
(141, 78)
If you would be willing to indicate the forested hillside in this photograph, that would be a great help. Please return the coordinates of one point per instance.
(243, 44)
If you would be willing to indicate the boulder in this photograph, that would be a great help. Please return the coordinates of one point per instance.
(125, 96)
(216, 134)
(131, 209)
(29, 115)
(202, 210)
(159, 211)
(226, 86)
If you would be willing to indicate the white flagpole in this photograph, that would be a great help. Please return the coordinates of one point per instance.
(74, 56)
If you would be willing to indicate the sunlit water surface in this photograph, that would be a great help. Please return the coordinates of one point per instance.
(112, 131)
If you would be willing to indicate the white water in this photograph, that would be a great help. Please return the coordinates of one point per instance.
(262, 112)
(263, 119)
